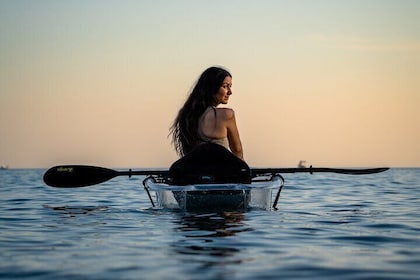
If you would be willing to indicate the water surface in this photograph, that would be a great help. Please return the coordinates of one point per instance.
(328, 226)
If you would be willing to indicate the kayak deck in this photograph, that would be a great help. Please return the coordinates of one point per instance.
(215, 196)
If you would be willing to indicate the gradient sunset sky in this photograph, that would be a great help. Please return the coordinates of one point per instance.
(335, 83)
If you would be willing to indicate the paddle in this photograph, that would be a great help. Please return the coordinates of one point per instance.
(73, 176)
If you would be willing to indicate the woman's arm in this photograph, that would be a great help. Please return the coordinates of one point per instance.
(235, 144)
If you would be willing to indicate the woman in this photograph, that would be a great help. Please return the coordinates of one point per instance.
(200, 121)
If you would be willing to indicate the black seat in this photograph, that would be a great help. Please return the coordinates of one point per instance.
(209, 163)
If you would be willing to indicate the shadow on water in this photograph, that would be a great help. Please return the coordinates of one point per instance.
(210, 239)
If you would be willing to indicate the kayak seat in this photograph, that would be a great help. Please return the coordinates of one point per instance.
(209, 163)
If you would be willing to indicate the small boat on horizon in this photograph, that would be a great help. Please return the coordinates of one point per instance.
(301, 164)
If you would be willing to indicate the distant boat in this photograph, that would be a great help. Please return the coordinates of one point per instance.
(3, 167)
(301, 164)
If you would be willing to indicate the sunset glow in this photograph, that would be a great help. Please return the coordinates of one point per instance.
(335, 83)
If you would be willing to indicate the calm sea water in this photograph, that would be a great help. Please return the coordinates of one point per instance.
(328, 226)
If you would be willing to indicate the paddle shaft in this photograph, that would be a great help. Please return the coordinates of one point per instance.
(71, 176)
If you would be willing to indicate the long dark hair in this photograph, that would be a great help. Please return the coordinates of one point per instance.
(184, 130)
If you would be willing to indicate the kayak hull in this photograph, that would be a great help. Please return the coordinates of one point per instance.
(211, 178)
(214, 197)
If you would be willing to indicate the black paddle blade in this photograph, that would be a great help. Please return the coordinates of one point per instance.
(260, 171)
(73, 176)
(360, 171)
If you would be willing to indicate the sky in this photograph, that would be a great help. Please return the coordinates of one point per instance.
(334, 83)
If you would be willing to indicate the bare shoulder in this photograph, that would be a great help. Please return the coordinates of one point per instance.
(226, 113)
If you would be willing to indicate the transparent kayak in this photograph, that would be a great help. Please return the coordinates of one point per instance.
(203, 197)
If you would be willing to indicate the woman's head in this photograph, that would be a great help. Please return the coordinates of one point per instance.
(209, 84)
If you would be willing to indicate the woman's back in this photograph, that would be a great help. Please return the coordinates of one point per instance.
(212, 123)
(218, 125)
(211, 127)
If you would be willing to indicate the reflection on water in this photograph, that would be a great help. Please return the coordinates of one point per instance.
(212, 225)
(207, 237)
(72, 211)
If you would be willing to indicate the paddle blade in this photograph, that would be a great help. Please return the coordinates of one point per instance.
(73, 176)
(260, 171)
(360, 171)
